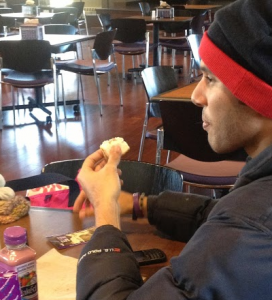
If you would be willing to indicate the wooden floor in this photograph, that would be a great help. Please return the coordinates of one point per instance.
(27, 146)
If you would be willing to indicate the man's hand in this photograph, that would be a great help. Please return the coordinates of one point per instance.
(101, 185)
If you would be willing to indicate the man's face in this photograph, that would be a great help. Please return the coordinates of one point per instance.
(230, 124)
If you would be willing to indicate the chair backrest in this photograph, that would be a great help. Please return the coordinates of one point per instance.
(180, 11)
(137, 176)
(102, 47)
(105, 21)
(67, 168)
(129, 30)
(61, 29)
(157, 80)
(72, 13)
(26, 55)
(79, 6)
(1, 24)
(197, 23)
(194, 41)
(145, 8)
(149, 178)
(60, 18)
(6, 21)
(175, 27)
(16, 7)
(183, 132)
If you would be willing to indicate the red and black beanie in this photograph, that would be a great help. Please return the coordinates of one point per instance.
(237, 48)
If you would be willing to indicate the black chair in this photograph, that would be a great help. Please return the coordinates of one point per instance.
(81, 17)
(156, 80)
(60, 18)
(101, 51)
(145, 8)
(16, 7)
(71, 12)
(4, 22)
(59, 51)
(105, 21)
(147, 178)
(61, 29)
(196, 26)
(200, 166)
(134, 40)
(31, 67)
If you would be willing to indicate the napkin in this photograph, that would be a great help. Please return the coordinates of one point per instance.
(56, 276)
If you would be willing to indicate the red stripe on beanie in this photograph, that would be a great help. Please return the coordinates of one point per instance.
(243, 84)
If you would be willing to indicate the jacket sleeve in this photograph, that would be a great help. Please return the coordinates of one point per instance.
(178, 215)
(107, 268)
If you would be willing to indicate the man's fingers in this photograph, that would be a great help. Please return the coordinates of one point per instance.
(86, 212)
(79, 201)
(115, 155)
(92, 160)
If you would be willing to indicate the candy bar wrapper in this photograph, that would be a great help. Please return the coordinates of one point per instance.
(9, 286)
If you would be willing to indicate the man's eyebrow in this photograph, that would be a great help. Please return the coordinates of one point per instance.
(205, 69)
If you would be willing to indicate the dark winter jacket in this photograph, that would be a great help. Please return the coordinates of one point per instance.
(229, 257)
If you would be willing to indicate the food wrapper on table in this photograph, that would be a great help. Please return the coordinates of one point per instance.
(54, 196)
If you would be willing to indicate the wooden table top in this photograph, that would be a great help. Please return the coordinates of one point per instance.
(181, 93)
(149, 19)
(21, 15)
(56, 39)
(42, 222)
(202, 6)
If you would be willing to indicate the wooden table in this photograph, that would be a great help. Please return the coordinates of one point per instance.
(56, 39)
(156, 25)
(19, 17)
(201, 6)
(22, 16)
(182, 93)
(42, 222)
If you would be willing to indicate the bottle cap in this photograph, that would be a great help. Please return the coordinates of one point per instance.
(15, 235)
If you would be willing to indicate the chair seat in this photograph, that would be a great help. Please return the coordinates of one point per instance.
(5, 71)
(130, 48)
(29, 79)
(208, 173)
(178, 44)
(152, 133)
(79, 66)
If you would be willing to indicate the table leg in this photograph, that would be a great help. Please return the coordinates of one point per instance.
(155, 44)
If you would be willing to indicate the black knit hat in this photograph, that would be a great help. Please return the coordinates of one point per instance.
(238, 50)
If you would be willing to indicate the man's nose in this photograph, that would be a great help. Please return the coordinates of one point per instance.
(198, 96)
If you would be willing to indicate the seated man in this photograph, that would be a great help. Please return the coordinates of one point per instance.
(229, 251)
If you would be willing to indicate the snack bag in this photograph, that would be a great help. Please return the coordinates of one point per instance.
(53, 196)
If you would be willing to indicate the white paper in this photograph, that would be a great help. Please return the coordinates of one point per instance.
(56, 276)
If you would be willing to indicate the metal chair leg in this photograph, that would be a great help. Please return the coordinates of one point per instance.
(123, 67)
(160, 135)
(13, 103)
(143, 133)
(119, 86)
(97, 82)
